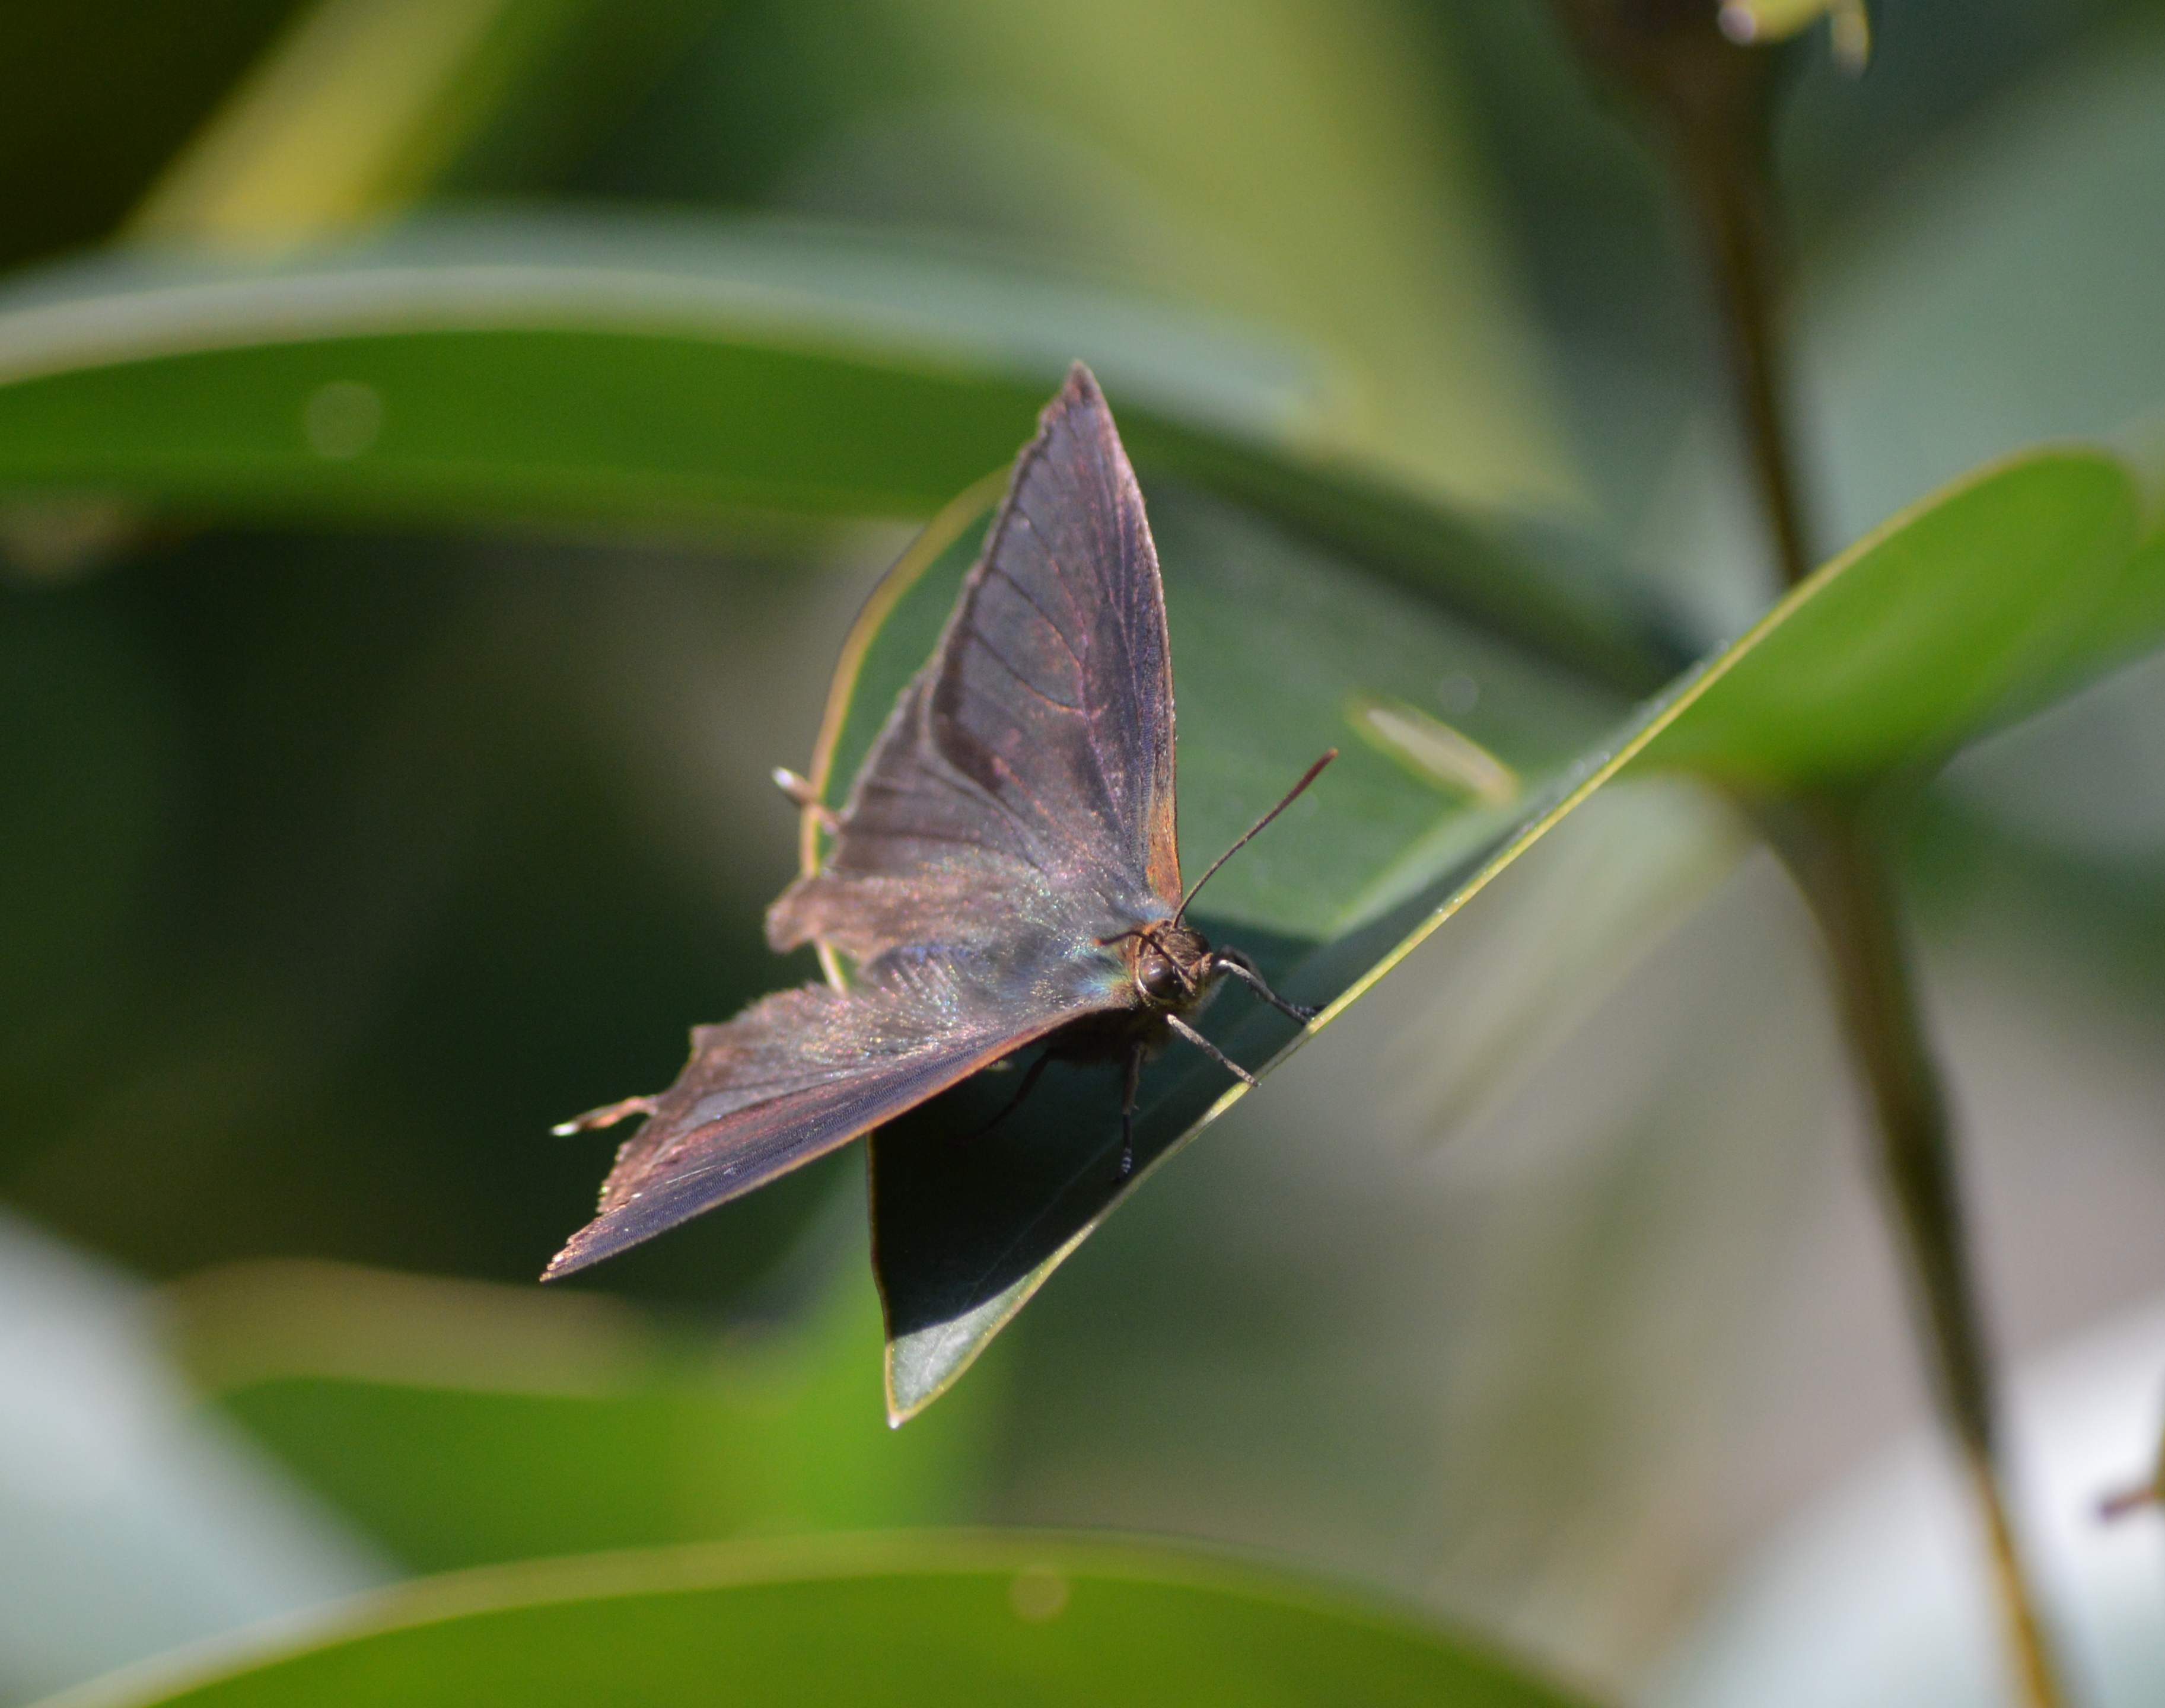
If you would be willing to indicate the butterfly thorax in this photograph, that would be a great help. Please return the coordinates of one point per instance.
(1170, 962)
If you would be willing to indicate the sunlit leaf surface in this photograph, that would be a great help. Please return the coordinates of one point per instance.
(1963, 612)
(1043, 1619)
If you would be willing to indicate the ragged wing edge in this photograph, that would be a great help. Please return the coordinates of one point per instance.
(608, 1234)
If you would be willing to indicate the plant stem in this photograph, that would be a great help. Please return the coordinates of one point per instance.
(1728, 197)
(1844, 879)
(1710, 99)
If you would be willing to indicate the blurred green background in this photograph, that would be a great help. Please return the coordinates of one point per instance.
(345, 848)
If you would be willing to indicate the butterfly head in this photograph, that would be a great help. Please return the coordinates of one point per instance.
(1170, 962)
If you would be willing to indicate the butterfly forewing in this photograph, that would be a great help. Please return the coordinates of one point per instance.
(1028, 770)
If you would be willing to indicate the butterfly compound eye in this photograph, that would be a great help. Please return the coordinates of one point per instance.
(1160, 978)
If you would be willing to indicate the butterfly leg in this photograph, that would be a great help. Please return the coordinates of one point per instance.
(1182, 1029)
(1231, 960)
(1029, 1084)
(1131, 1079)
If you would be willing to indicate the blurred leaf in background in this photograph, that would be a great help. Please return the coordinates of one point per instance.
(1052, 1619)
(1289, 164)
(463, 1423)
(354, 109)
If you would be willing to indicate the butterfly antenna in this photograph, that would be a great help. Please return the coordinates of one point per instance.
(1292, 795)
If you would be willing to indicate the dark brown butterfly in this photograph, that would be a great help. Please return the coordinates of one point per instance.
(1004, 873)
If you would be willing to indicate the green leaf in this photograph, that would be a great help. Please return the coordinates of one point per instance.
(1964, 612)
(631, 369)
(907, 1620)
(431, 1412)
(678, 374)
(2013, 584)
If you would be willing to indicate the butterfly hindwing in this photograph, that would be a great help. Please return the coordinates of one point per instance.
(803, 1071)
